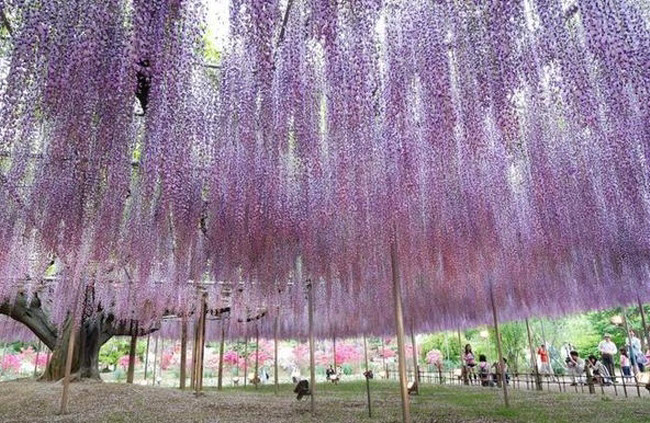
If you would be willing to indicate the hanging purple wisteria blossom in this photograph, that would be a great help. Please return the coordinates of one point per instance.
(499, 146)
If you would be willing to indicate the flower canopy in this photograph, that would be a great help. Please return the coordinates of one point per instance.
(496, 146)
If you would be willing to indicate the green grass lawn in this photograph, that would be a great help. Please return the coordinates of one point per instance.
(28, 401)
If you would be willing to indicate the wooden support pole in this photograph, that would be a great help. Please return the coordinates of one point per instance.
(68, 368)
(645, 339)
(399, 323)
(198, 378)
(195, 356)
(633, 363)
(383, 357)
(312, 360)
(365, 353)
(195, 343)
(155, 358)
(160, 367)
(256, 378)
(416, 375)
(502, 366)
(463, 366)
(246, 358)
(183, 372)
(334, 351)
(590, 377)
(146, 359)
(275, 353)
(130, 374)
(221, 349)
(202, 346)
(71, 345)
(237, 366)
(533, 358)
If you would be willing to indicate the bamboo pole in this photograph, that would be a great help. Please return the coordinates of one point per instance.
(499, 349)
(365, 353)
(183, 375)
(275, 353)
(155, 358)
(312, 361)
(146, 359)
(134, 340)
(399, 323)
(256, 378)
(645, 339)
(221, 348)
(533, 358)
(416, 375)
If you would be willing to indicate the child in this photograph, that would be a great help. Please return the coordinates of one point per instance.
(625, 363)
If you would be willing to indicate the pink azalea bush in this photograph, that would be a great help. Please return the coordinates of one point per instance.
(231, 358)
(11, 363)
(166, 359)
(434, 357)
(124, 361)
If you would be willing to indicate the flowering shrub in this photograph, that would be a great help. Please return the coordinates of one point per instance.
(11, 363)
(434, 357)
(123, 361)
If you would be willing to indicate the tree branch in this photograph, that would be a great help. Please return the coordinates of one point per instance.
(284, 23)
(253, 318)
(32, 316)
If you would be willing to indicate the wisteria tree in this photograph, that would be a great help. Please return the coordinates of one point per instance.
(492, 149)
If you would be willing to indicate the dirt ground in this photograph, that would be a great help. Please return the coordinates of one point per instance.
(30, 401)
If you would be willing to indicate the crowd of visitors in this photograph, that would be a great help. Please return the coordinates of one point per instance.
(631, 358)
(488, 374)
(598, 369)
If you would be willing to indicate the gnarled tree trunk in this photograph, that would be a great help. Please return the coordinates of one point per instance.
(94, 331)
(85, 358)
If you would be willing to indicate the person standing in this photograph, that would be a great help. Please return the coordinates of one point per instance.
(634, 346)
(470, 362)
(545, 367)
(607, 350)
(625, 363)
